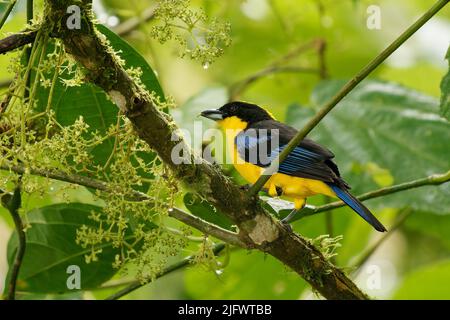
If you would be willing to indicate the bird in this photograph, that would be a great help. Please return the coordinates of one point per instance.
(255, 138)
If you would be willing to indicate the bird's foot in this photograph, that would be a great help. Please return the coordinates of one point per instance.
(245, 187)
(285, 221)
(286, 225)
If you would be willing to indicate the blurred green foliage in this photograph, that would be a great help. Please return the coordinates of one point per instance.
(388, 130)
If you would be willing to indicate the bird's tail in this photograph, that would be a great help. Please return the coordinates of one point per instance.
(357, 206)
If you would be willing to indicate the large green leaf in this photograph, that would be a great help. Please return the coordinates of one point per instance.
(429, 282)
(445, 91)
(383, 133)
(90, 102)
(51, 249)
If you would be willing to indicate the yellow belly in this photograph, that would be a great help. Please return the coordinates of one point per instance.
(295, 188)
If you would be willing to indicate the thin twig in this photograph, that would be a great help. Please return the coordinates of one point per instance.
(28, 53)
(206, 227)
(132, 24)
(239, 87)
(17, 40)
(176, 266)
(321, 49)
(276, 66)
(281, 19)
(13, 203)
(7, 12)
(296, 51)
(346, 89)
(435, 179)
(369, 252)
(4, 103)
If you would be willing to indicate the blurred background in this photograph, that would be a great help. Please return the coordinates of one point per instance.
(290, 56)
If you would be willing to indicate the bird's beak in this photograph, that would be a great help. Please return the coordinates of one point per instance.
(212, 114)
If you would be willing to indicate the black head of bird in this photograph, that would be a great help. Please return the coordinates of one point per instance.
(248, 112)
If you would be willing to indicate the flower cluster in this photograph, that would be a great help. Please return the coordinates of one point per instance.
(199, 38)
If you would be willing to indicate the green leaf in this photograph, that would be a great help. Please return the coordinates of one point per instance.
(445, 91)
(429, 282)
(206, 211)
(90, 102)
(385, 126)
(51, 249)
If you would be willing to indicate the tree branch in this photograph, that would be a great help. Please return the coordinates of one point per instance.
(435, 179)
(255, 225)
(349, 86)
(13, 202)
(176, 266)
(17, 40)
(207, 228)
(28, 51)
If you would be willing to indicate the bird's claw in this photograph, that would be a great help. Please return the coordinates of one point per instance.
(245, 187)
(286, 225)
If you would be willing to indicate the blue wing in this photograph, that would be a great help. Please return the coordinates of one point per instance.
(260, 148)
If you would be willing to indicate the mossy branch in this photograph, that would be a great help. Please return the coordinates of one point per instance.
(256, 226)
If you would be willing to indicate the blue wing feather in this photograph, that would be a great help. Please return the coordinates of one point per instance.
(300, 162)
(357, 206)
